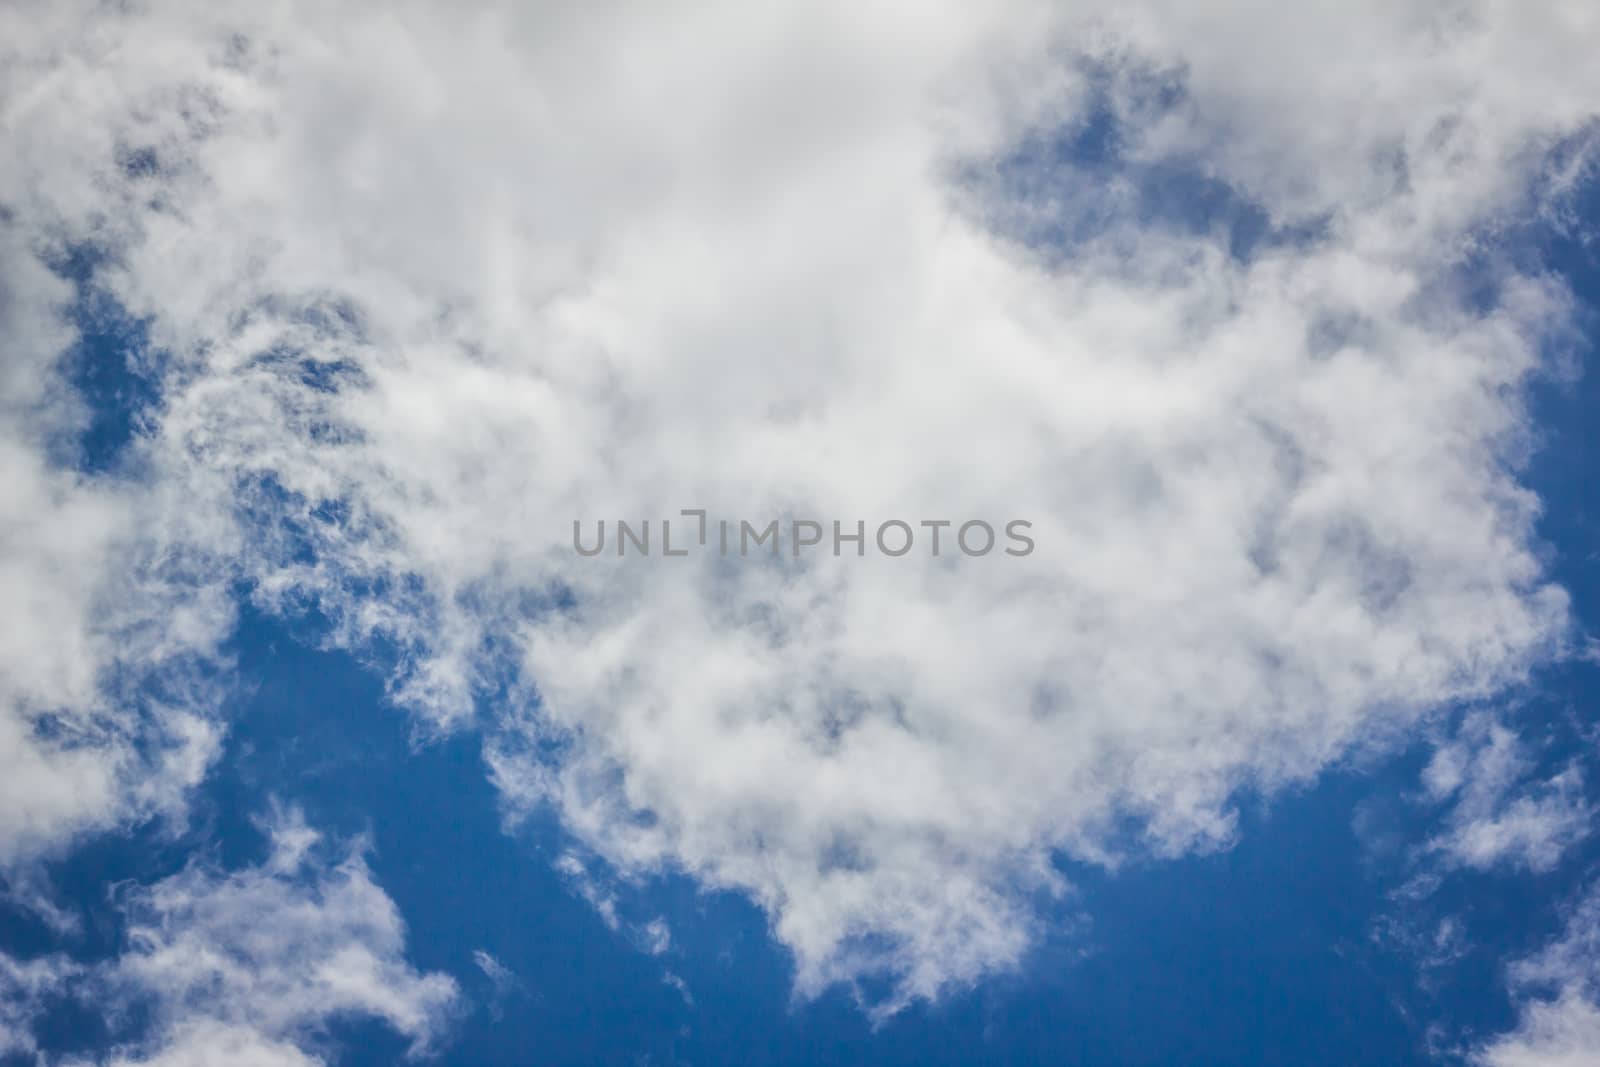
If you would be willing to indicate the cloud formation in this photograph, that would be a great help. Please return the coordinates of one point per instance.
(1563, 1029)
(430, 283)
(255, 966)
(25, 986)
(106, 712)
(1498, 816)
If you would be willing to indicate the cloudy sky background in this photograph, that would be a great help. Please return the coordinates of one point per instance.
(322, 323)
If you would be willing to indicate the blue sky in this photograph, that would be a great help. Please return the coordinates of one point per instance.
(322, 746)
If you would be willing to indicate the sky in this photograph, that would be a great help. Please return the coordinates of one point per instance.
(327, 329)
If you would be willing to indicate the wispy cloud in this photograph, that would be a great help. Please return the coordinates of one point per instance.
(1559, 990)
(25, 988)
(1500, 811)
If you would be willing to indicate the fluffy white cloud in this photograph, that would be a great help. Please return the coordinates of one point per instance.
(250, 966)
(437, 280)
(1498, 815)
(1560, 1033)
(1563, 1030)
(253, 966)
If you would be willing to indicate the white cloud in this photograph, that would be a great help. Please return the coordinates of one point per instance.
(438, 281)
(92, 613)
(503, 982)
(1563, 1030)
(656, 936)
(499, 975)
(253, 966)
(592, 890)
(25, 985)
(1499, 816)
(203, 1043)
(1560, 1033)
(676, 982)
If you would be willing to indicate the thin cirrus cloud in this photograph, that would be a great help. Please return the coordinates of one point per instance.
(428, 284)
